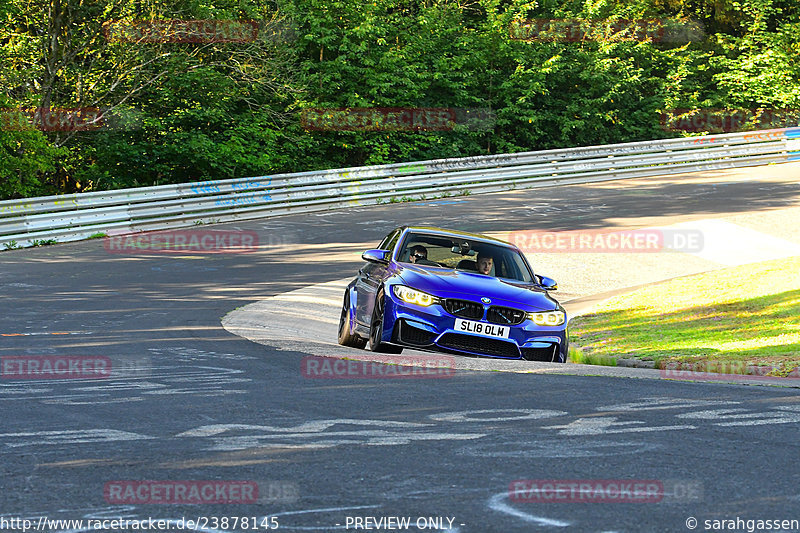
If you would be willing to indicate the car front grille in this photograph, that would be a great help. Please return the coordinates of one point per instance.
(481, 345)
(547, 354)
(505, 315)
(464, 308)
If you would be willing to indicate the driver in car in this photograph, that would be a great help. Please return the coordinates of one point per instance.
(417, 252)
(484, 263)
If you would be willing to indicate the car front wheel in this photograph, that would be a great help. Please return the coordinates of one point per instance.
(376, 328)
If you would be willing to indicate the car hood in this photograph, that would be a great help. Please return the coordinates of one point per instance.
(446, 283)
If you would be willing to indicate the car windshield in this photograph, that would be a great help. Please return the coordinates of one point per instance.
(464, 254)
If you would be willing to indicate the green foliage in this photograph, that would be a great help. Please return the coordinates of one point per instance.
(217, 110)
(26, 158)
(43, 242)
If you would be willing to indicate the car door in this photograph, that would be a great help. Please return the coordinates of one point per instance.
(370, 277)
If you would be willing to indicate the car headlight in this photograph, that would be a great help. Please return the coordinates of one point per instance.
(413, 296)
(548, 318)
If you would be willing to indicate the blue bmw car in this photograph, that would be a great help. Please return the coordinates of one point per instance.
(450, 291)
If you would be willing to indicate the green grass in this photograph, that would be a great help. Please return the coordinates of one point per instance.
(725, 319)
(588, 358)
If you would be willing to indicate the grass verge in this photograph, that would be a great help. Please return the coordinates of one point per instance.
(725, 321)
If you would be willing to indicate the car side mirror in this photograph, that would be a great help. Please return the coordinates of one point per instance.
(376, 256)
(548, 284)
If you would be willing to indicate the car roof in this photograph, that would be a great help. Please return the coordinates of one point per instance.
(455, 233)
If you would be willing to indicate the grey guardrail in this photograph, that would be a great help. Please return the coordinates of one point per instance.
(80, 216)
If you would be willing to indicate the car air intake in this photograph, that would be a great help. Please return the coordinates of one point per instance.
(546, 354)
(505, 315)
(411, 335)
(464, 308)
(478, 345)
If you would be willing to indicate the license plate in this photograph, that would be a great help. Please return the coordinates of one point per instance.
(481, 328)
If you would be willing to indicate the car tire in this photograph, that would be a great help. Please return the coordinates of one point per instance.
(345, 337)
(566, 349)
(376, 327)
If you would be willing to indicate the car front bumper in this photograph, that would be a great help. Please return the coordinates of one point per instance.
(433, 328)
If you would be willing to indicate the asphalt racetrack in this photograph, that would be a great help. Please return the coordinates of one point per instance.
(189, 406)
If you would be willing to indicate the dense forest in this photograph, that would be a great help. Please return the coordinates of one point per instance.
(104, 94)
